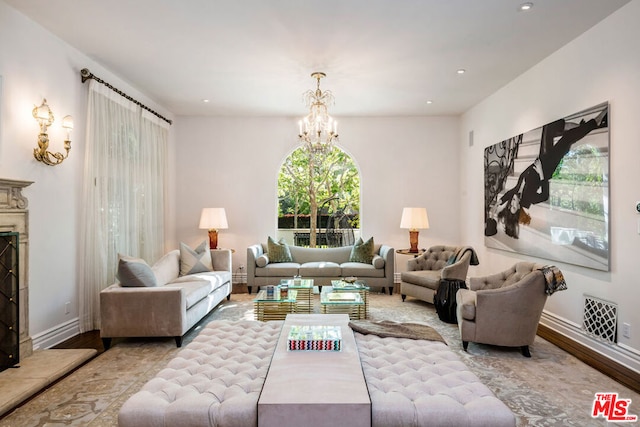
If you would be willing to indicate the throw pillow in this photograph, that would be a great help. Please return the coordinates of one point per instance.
(362, 251)
(135, 272)
(196, 260)
(278, 251)
(451, 260)
(378, 261)
(262, 261)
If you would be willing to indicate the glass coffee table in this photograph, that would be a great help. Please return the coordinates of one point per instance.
(360, 287)
(274, 309)
(304, 290)
(342, 303)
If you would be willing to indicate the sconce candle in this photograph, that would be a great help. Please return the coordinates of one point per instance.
(44, 117)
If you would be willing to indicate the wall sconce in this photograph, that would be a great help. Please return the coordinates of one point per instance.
(44, 117)
(414, 219)
(213, 219)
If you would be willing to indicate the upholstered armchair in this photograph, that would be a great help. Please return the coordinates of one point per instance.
(504, 308)
(424, 272)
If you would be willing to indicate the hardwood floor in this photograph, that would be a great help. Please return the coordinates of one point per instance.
(87, 340)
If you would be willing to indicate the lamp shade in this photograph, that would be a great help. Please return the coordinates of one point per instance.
(213, 218)
(414, 218)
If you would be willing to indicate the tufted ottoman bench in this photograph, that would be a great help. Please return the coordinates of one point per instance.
(218, 376)
(424, 383)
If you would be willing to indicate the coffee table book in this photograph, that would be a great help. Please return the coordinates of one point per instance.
(314, 337)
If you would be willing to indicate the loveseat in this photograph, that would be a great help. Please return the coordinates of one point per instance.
(159, 301)
(320, 264)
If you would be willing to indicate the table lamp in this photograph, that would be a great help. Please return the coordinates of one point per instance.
(213, 219)
(414, 219)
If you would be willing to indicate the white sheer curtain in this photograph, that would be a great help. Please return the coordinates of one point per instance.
(124, 193)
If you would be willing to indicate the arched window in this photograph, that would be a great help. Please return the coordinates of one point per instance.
(319, 199)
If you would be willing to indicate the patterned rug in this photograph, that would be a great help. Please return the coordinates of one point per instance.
(552, 388)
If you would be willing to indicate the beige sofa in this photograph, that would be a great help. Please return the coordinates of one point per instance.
(320, 264)
(170, 308)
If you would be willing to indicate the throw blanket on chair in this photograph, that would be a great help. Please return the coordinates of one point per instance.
(474, 256)
(554, 279)
(387, 328)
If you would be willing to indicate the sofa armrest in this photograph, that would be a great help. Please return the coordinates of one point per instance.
(458, 270)
(221, 259)
(388, 253)
(253, 252)
(142, 312)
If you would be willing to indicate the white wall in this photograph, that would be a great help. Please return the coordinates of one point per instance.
(233, 163)
(601, 65)
(35, 65)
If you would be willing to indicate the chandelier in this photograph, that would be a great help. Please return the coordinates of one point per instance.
(318, 130)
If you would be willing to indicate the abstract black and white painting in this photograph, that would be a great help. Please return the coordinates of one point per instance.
(546, 191)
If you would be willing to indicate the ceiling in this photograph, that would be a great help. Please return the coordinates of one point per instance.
(255, 57)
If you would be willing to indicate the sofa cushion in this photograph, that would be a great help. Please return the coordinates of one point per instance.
(196, 260)
(196, 286)
(427, 278)
(278, 251)
(167, 268)
(262, 260)
(320, 268)
(278, 269)
(359, 269)
(135, 272)
(362, 251)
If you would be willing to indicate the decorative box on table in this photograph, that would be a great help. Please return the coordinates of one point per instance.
(314, 337)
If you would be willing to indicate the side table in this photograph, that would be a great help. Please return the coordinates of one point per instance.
(408, 252)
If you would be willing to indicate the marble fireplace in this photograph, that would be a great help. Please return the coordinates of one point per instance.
(14, 217)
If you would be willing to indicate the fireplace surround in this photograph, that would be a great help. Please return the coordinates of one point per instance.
(14, 218)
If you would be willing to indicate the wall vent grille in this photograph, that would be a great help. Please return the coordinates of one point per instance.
(600, 319)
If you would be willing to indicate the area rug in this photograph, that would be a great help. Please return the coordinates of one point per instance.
(552, 388)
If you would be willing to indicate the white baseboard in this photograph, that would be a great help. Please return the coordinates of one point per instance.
(56, 335)
(619, 353)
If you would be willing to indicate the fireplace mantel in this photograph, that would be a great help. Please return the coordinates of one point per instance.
(14, 217)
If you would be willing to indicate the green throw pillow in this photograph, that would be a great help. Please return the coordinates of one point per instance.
(362, 251)
(196, 260)
(278, 251)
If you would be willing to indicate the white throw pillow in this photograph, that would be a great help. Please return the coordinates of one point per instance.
(378, 261)
(196, 260)
(262, 261)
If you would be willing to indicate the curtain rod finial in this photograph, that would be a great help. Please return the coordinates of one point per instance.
(85, 74)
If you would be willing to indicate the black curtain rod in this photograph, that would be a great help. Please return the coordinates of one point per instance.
(85, 75)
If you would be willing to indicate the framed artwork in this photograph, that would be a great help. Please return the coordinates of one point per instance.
(546, 191)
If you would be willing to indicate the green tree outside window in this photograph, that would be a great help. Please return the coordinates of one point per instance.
(314, 185)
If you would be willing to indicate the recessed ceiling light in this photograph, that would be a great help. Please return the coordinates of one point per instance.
(429, 101)
(525, 6)
(461, 71)
(205, 100)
